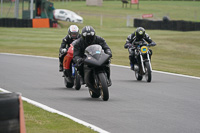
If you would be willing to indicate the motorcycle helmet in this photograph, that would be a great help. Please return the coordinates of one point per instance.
(88, 34)
(140, 33)
(73, 32)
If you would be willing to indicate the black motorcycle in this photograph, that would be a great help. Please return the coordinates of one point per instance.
(95, 65)
(143, 61)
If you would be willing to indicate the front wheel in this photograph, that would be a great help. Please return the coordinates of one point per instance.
(93, 95)
(147, 72)
(103, 86)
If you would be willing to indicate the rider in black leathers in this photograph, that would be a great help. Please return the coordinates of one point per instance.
(73, 34)
(138, 35)
(88, 37)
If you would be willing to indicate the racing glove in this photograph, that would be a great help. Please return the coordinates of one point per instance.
(79, 62)
(128, 45)
(152, 44)
(108, 52)
(64, 50)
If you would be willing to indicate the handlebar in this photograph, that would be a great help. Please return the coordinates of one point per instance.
(139, 43)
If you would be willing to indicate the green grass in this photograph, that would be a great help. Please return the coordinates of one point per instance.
(39, 121)
(176, 52)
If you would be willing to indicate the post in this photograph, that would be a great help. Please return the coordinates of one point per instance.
(127, 20)
(31, 9)
(16, 8)
(101, 21)
(1, 7)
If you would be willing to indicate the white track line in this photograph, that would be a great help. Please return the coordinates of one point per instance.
(95, 128)
(181, 75)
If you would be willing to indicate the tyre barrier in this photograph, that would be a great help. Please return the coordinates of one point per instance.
(11, 113)
(178, 25)
(21, 23)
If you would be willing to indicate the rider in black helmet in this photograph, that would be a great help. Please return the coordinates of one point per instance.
(73, 34)
(88, 37)
(138, 35)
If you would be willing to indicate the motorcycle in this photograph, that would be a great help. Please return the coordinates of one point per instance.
(96, 78)
(70, 74)
(143, 61)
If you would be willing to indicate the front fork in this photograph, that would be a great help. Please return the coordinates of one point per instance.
(142, 62)
(149, 61)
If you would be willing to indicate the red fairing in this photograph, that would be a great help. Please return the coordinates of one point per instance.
(68, 58)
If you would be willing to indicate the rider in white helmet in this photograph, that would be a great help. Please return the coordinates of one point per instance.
(73, 34)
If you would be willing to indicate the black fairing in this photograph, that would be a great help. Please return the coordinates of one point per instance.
(95, 56)
(95, 62)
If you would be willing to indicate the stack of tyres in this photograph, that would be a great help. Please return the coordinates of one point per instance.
(156, 25)
(197, 26)
(1, 22)
(189, 26)
(180, 25)
(137, 22)
(172, 25)
(24, 22)
(29, 23)
(18, 23)
(9, 113)
(13, 22)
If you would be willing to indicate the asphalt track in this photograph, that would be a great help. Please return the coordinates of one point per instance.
(169, 104)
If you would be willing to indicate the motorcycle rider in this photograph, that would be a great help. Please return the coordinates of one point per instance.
(89, 37)
(73, 34)
(138, 35)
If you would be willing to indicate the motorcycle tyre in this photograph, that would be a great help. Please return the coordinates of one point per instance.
(77, 81)
(138, 76)
(93, 95)
(103, 86)
(148, 72)
(68, 84)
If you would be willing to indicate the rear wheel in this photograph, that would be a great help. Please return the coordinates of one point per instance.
(103, 86)
(77, 81)
(147, 72)
(68, 84)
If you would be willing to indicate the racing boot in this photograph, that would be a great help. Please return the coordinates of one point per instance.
(132, 66)
(60, 67)
(109, 82)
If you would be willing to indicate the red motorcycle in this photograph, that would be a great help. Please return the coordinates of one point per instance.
(71, 77)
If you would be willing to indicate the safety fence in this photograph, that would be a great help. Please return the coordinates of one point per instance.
(9, 9)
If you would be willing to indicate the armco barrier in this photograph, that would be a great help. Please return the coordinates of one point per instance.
(179, 25)
(11, 113)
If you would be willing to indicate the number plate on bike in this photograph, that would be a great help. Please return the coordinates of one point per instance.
(144, 49)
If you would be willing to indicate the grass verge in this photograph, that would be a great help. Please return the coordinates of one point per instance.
(38, 120)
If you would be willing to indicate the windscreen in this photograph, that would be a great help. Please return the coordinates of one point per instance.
(93, 49)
